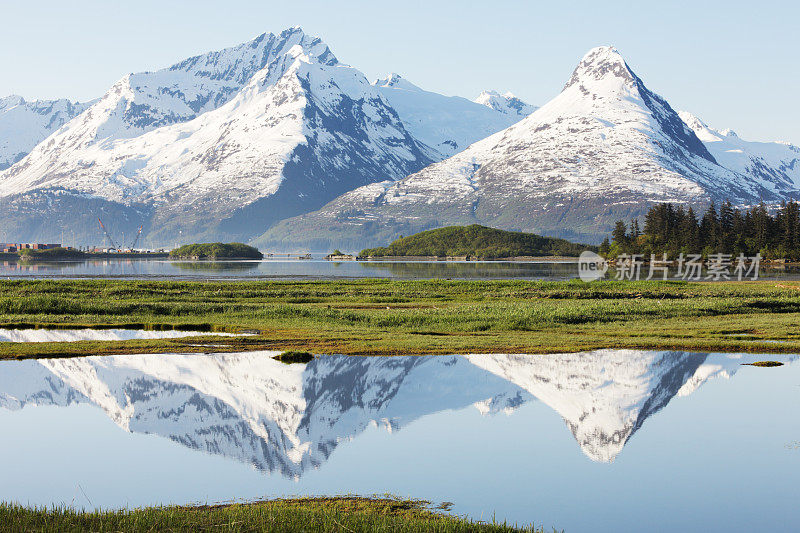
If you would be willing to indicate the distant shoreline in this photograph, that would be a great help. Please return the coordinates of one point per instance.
(83, 256)
(467, 259)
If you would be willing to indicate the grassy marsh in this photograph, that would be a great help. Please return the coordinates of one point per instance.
(343, 514)
(382, 317)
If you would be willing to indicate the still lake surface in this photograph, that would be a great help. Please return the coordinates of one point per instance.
(286, 269)
(601, 441)
(316, 268)
(75, 335)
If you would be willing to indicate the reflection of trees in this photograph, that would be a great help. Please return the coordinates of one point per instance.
(215, 266)
(495, 269)
(36, 266)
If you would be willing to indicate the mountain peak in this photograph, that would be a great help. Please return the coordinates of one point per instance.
(599, 64)
(395, 81)
(8, 102)
(506, 103)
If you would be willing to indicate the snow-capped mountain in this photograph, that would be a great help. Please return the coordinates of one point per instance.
(25, 124)
(219, 145)
(448, 123)
(289, 418)
(775, 164)
(604, 149)
(506, 103)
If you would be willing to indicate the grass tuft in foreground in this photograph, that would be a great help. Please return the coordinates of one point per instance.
(341, 514)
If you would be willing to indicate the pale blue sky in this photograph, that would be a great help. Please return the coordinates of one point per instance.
(730, 63)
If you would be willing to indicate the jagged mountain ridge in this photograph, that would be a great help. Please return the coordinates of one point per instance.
(506, 103)
(202, 150)
(604, 149)
(775, 164)
(25, 124)
(219, 145)
(289, 418)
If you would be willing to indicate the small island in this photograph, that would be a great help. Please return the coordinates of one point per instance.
(476, 242)
(215, 251)
(338, 255)
(51, 254)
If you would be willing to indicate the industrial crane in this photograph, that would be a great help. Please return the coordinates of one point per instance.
(110, 240)
(136, 240)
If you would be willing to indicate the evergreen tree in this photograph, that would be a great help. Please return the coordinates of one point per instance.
(709, 229)
(605, 246)
(620, 234)
(635, 229)
(671, 229)
(690, 232)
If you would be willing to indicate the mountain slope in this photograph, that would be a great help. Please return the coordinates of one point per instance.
(507, 103)
(605, 148)
(25, 124)
(776, 165)
(218, 146)
(447, 123)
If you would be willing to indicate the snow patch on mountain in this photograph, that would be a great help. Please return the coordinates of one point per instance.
(25, 124)
(506, 103)
(774, 164)
(604, 149)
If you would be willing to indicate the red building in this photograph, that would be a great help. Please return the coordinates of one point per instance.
(16, 247)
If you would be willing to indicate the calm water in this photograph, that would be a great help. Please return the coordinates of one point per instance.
(287, 268)
(74, 335)
(600, 441)
(305, 269)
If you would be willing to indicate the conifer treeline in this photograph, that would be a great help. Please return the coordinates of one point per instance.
(673, 229)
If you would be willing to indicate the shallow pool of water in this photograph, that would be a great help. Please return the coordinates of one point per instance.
(599, 441)
(73, 335)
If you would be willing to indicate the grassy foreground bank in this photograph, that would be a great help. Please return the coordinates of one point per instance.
(379, 317)
(346, 514)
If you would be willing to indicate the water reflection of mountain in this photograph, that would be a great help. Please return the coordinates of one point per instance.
(287, 418)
